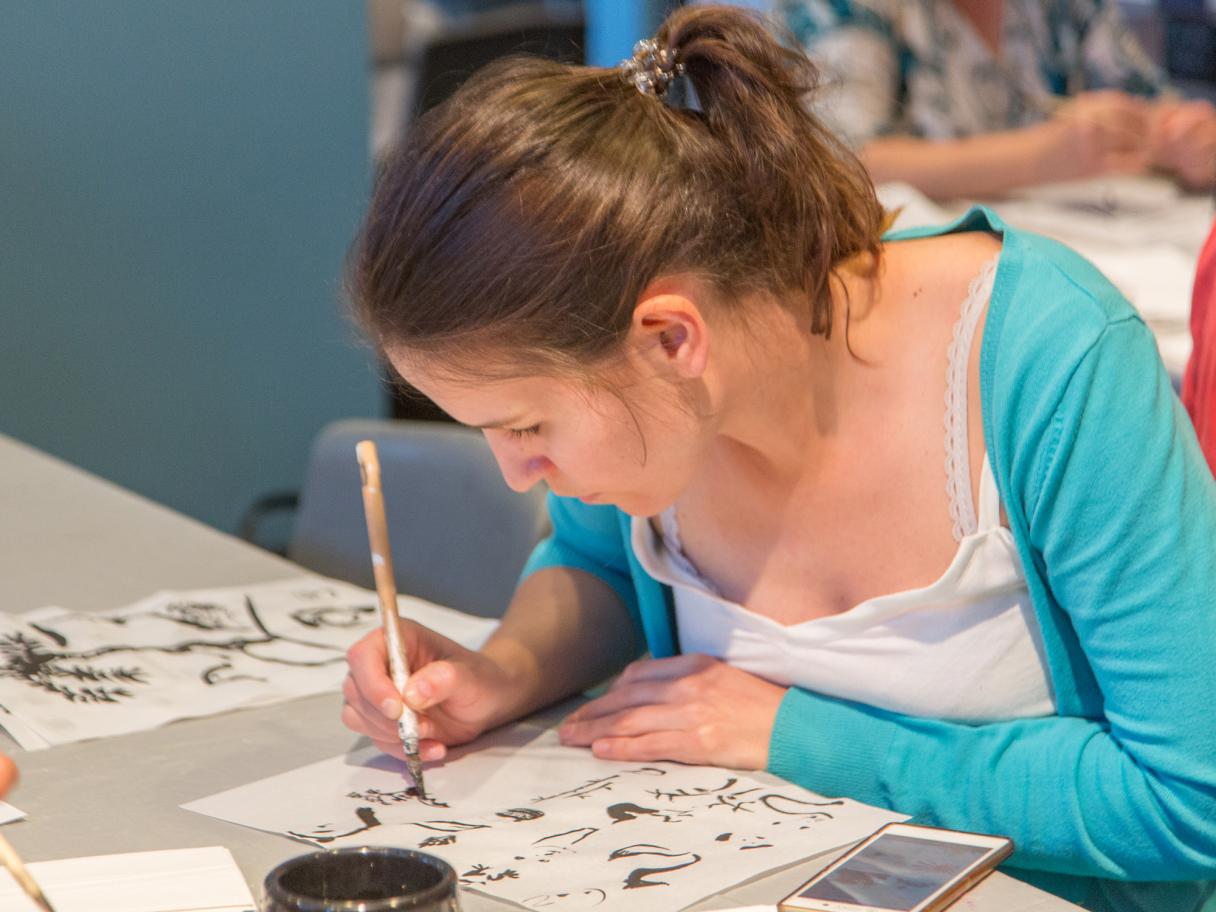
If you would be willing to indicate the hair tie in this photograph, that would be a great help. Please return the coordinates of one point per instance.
(656, 72)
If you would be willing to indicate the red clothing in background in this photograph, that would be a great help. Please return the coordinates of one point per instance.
(1199, 381)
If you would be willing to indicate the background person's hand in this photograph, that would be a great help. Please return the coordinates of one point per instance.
(453, 690)
(689, 708)
(8, 774)
(1183, 140)
(1096, 133)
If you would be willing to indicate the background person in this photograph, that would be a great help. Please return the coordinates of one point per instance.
(973, 98)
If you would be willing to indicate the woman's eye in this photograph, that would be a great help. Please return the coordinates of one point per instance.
(520, 433)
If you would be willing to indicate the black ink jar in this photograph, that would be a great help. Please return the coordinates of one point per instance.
(365, 879)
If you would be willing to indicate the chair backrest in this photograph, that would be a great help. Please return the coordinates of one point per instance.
(459, 535)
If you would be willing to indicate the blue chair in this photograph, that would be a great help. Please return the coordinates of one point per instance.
(459, 535)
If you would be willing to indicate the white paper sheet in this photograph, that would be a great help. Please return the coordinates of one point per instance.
(1108, 194)
(175, 880)
(527, 820)
(66, 676)
(8, 813)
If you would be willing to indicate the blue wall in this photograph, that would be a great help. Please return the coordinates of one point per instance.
(178, 184)
(613, 26)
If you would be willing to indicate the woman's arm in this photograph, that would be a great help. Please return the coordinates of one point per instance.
(980, 167)
(1094, 133)
(565, 632)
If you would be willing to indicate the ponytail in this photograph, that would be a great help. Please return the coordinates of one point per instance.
(806, 190)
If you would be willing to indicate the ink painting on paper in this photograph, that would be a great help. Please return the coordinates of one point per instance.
(523, 818)
(66, 676)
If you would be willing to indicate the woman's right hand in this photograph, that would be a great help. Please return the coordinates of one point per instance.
(456, 693)
(1095, 133)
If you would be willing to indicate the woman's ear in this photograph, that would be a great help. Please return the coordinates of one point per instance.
(669, 331)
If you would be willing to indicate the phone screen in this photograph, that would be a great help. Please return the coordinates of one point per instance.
(895, 872)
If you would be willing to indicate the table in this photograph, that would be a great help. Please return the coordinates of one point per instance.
(72, 539)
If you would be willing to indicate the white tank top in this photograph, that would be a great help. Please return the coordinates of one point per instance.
(966, 648)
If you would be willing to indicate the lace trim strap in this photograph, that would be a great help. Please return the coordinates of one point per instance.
(672, 542)
(958, 461)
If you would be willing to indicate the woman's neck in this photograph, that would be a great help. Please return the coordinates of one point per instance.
(786, 395)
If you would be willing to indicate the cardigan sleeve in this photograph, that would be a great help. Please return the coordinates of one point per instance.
(1121, 517)
(587, 537)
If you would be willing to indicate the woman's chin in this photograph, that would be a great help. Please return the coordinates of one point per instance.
(640, 506)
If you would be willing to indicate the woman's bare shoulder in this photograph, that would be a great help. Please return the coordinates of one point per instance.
(938, 270)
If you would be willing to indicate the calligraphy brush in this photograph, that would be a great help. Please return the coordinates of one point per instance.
(386, 589)
(11, 860)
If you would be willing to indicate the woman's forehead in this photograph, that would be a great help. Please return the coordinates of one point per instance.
(487, 401)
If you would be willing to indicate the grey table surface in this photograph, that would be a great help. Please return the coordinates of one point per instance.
(70, 539)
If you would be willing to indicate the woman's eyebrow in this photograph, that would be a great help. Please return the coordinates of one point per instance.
(493, 425)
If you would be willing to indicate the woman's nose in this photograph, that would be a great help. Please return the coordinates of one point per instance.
(520, 470)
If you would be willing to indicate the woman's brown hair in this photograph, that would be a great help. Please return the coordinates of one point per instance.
(520, 221)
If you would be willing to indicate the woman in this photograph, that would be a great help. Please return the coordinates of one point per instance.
(972, 98)
(664, 292)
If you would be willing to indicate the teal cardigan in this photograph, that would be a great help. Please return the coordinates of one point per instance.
(1114, 514)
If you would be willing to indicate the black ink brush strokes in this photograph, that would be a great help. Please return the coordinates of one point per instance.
(377, 796)
(449, 829)
(796, 807)
(736, 801)
(61, 673)
(627, 810)
(482, 874)
(691, 793)
(200, 615)
(637, 878)
(78, 677)
(333, 616)
(519, 815)
(587, 788)
(324, 834)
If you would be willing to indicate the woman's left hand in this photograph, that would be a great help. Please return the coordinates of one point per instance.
(689, 708)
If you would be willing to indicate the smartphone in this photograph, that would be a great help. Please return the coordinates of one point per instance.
(901, 868)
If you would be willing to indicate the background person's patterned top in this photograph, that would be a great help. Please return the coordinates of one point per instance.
(920, 68)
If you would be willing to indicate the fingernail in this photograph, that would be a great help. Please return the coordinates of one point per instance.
(417, 693)
(391, 707)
